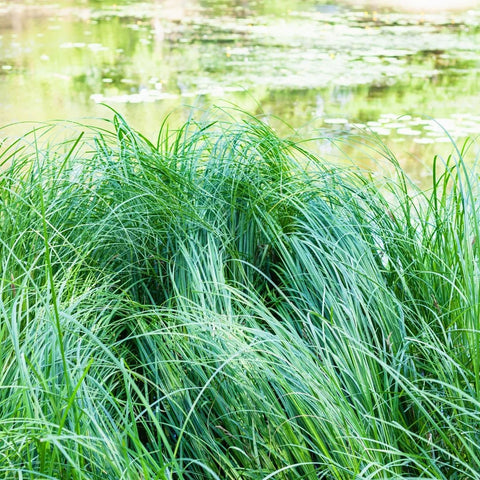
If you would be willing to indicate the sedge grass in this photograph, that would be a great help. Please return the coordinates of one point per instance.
(222, 304)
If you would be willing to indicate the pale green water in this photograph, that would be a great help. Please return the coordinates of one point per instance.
(322, 67)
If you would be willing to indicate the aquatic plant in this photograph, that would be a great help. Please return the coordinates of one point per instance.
(222, 304)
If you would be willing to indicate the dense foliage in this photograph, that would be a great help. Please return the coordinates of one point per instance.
(224, 305)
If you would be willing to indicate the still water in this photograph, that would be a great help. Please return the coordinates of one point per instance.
(327, 68)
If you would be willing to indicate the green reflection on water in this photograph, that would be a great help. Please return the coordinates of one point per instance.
(320, 66)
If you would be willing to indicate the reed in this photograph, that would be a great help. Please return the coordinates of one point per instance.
(223, 304)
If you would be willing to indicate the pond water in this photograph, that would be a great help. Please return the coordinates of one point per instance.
(326, 68)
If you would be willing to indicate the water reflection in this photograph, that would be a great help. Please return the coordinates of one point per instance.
(327, 68)
(416, 5)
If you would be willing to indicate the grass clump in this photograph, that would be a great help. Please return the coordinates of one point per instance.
(222, 304)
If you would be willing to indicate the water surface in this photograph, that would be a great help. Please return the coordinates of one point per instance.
(326, 68)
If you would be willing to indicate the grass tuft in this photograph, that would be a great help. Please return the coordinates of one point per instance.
(223, 304)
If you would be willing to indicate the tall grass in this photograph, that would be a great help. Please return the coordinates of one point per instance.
(224, 305)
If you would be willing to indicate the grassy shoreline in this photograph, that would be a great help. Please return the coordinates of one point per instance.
(222, 304)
